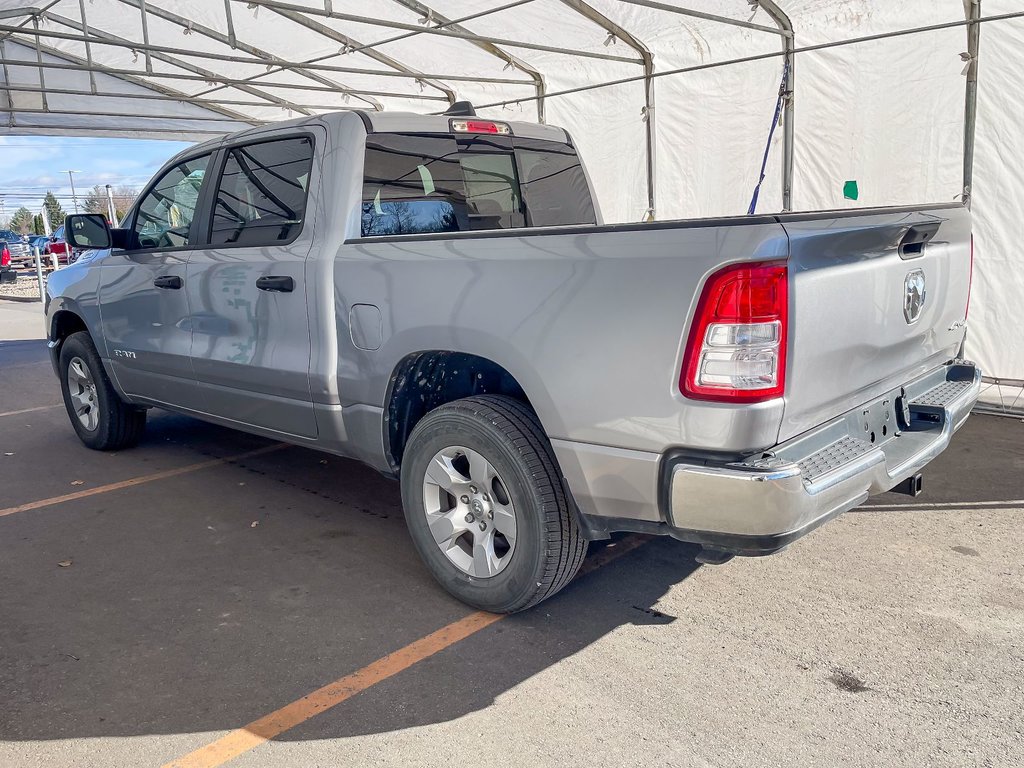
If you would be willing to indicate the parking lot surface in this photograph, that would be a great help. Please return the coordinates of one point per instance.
(181, 602)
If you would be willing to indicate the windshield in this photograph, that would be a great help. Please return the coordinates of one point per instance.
(421, 183)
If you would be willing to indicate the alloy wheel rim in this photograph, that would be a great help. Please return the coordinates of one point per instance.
(84, 398)
(469, 512)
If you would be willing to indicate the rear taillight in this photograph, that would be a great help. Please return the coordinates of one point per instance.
(5, 257)
(736, 352)
(970, 280)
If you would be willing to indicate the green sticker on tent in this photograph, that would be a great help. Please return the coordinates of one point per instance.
(427, 179)
(850, 190)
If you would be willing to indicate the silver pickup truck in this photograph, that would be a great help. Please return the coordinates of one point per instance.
(437, 296)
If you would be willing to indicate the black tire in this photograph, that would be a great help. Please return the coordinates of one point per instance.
(119, 425)
(549, 547)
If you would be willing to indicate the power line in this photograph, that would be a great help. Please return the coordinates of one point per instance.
(58, 185)
(87, 142)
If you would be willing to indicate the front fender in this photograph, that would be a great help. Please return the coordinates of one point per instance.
(73, 290)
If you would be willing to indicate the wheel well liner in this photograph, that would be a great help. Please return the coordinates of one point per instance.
(424, 380)
(64, 323)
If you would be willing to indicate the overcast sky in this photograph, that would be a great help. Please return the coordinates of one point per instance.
(31, 165)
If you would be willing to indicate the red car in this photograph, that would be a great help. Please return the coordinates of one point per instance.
(58, 244)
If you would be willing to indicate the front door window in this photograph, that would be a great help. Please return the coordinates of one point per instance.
(165, 214)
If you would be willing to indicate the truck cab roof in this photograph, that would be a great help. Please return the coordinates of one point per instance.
(386, 122)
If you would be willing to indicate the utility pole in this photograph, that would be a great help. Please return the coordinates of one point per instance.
(111, 208)
(74, 198)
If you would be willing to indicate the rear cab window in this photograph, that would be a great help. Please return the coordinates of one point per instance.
(430, 183)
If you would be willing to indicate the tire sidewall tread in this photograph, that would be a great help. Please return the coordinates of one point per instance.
(120, 424)
(549, 547)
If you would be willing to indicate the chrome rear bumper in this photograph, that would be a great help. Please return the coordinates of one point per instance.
(762, 504)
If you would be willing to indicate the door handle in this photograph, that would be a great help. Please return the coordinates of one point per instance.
(276, 284)
(168, 281)
(913, 242)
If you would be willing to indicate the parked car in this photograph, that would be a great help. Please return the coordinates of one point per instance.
(42, 242)
(438, 297)
(16, 248)
(59, 246)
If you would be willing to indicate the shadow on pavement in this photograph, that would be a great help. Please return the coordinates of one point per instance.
(204, 601)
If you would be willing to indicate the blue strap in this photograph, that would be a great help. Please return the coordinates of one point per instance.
(771, 133)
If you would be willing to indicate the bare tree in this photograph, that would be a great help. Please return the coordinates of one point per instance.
(124, 195)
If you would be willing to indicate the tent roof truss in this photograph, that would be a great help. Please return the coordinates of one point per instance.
(40, 28)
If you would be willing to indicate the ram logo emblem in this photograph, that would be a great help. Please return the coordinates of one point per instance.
(914, 294)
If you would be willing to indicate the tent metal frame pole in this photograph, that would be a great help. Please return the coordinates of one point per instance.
(182, 98)
(108, 39)
(973, 9)
(88, 46)
(145, 36)
(436, 31)
(203, 78)
(232, 39)
(7, 79)
(77, 64)
(39, 60)
(647, 60)
(708, 16)
(103, 113)
(194, 28)
(68, 128)
(770, 55)
(345, 40)
(788, 96)
(103, 38)
(491, 48)
(14, 13)
(460, 20)
(310, 62)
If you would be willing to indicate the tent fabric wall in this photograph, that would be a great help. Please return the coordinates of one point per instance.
(995, 336)
(887, 114)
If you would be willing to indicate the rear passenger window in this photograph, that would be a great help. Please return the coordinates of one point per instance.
(420, 183)
(412, 184)
(261, 195)
(492, 191)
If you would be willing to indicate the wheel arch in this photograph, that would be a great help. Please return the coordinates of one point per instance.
(64, 318)
(64, 322)
(421, 381)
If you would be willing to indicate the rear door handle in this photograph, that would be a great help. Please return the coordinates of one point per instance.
(168, 281)
(276, 283)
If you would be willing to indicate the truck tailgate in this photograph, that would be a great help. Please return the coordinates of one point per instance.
(857, 326)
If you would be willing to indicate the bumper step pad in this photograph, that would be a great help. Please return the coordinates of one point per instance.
(831, 457)
(938, 397)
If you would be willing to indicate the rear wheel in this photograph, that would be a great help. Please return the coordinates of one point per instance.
(100, 417)
(485, 505)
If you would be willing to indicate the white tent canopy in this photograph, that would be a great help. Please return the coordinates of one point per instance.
(670, 101)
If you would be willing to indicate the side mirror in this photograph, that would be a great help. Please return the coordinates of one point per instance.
(87, 230)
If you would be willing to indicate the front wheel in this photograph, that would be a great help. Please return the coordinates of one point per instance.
(101, 418)
(485, 505)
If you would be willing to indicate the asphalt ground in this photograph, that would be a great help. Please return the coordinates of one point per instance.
(214, 598)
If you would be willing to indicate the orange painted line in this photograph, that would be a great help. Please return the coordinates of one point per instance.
(131, 483)
(270, 726)
(30, 410)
